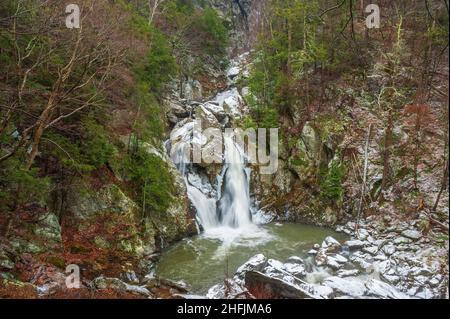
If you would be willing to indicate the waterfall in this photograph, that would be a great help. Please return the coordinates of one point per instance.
(225, 208)
(234, 206)
(231, 208)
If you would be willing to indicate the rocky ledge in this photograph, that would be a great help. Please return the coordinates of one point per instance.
(393, 262)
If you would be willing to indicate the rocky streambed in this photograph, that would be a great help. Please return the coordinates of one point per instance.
(383, 259)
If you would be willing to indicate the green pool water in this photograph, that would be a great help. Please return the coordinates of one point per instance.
(205, 260)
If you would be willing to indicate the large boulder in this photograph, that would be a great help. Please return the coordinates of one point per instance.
(109, 221)
(262, 286)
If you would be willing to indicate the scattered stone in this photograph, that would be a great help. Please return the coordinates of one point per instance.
(412, 234)
(333, 263)
(340, 259)
(371, 250)
(379, 289)
(355, 244)
(391, 279)
(321, 257)
(348, 287)
(389, 250)
(363, 234)
(102, 283)
(402, 240)
(348, 273)
(297, 270)
(331, 244)
(360, 261)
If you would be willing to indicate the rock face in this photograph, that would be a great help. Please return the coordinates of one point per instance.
(301, 157)
(107, 209)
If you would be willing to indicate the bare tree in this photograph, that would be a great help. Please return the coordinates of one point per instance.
(77, 84)
(154, 6)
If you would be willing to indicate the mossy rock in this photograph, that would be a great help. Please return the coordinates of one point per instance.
(101, 242)
(56, 261)
(79, 249)
(5, 261)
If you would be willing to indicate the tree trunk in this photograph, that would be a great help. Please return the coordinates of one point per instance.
(387, 154)
(39, 131)
(366, 167)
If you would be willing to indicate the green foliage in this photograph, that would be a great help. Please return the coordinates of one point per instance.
(84, 155)
(152, 179)
(331, 183)
(97, 148)
(263, 115)
(330, 126)
(216, 39)
(19, 186)
(150, 125)
(160, 66)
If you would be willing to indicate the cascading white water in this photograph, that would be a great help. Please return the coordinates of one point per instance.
(225, 210)
(234, 206)
(206, 207)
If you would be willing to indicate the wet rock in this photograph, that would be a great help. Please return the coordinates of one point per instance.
(262, 286)
(355, 244)
(379, 289)
(206, 118)
(412, 234)
(333, 263)
(363, 234)
(295, 266)
(256, 263)
(331, 244)
(102, 283)
(216, 109)
(360, 261)
(347, 287)
(389, 250)
(340, 259)
(371, 250)
(177, 110)
(340, 229)
(402, 240)
(321, 257)
(348, 273)
(233, 72)
(297, 270)
(228, 290)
